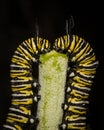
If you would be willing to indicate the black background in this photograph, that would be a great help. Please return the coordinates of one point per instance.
(17, 23)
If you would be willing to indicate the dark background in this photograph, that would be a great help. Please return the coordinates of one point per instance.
(17, 23)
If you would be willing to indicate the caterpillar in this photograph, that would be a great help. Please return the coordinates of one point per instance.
(36, 94)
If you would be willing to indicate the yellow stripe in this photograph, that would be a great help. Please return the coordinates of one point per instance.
(22, 102)
(66, 38)
(72, 45)
(47, 44)
(77, 44)
(71, 117)
(76, 94)
(26, 111)
(26, 53)
(33, 46)
(81, 52)
(62, 42)
(76, 127)
(58, 42)
(19, 89)
(80, 81)
(88, 61)
(24, 120)
(86, 72)
(18, 127)
(29, 41)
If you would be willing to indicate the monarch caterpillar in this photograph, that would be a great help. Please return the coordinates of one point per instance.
(80, 69)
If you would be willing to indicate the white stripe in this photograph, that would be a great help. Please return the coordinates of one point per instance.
(27, 48)
(18, 81)
(18, 95)
(89, 65)
(79, 107)
(22, 85)
(82, 93)
(16, 115)
(27, 53)
(86, 80)
(9, 127)
(82, 88)
(79, 118)
(87, 55)
(21, 100)
(14, 109)
(77, 124)
(13, 65)
(15, 56)
(18, 71)
(88, 76)
(80, 102)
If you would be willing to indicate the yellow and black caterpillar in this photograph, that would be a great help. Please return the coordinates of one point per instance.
(25, 86)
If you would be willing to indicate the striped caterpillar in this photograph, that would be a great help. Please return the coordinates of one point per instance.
(80, 63)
